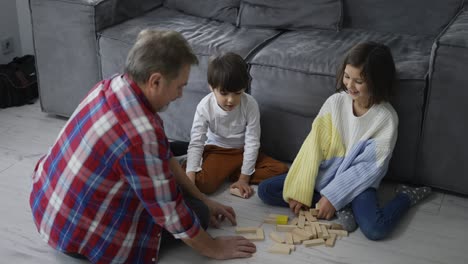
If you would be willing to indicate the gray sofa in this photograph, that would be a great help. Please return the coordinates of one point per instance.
(293, 49)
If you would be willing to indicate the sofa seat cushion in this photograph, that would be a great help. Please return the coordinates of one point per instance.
(206, 37)
(321, 51)
(223, 10)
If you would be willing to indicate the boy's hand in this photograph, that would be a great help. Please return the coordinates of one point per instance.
(296, 206)
(243, 185)
(191, 176)
(326, 209)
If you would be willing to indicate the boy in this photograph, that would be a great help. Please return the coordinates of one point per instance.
(225, 136)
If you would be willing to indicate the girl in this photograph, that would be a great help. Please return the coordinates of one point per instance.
(346, 155)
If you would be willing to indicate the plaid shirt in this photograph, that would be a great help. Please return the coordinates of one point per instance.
(105, 190)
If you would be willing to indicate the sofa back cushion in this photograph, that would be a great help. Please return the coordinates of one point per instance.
(223, 10)
(426, 17)
(291, 14)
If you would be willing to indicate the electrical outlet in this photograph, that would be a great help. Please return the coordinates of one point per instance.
(7, 45)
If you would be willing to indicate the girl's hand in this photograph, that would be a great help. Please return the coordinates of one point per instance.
(326, 209)
(296, 206)
(243, 185)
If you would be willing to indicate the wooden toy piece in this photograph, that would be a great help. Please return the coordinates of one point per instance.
(302, 233)
(342, 233)
(249, 229)
(292, 247)
(297, 239)
(289, 238)
(276, 237)
(236, 192)
(258, 235)
(301, 221)
(331, 241)
(313, 212)
(311, 230)
(313, 242)
(285, 228)
(280, 249)
(327, 225)
(282, 220)
(317, 206)
(336, 226)
(308, 215)
(318, 230)
(294, 221)
(325, 234)
(270, 219)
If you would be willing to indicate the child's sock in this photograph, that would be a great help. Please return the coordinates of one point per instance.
(415, 194)
(345, 217)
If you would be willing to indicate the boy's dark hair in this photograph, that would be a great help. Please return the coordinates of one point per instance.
(378, 70)
(228, 72)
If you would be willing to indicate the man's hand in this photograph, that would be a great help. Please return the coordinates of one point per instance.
(219, 212)
(234, 247)
(191, 176)
(296, 206)
(243, 185)
(326, 209)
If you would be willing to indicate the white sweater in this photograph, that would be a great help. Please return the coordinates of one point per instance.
(239, 128)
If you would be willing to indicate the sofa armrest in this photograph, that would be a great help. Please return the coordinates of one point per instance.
(65, 43)
(444, 144)
(456, 34)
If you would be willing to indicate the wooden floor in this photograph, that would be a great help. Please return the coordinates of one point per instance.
(433, 232)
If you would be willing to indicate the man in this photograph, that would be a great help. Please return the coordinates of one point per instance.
(109, 185)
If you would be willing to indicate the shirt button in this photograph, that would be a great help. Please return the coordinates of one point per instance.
(159, 235)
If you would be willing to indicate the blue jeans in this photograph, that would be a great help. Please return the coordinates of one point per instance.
(376, 222)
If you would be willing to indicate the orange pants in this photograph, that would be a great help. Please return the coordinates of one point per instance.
(220, 164)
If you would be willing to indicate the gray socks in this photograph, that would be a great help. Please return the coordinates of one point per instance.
(345, 217)
(415, 194)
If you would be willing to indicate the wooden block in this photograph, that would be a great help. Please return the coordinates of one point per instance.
(292, 247)
(301, 212)
(260, 234)
(257, 236)
(318, 229)
(327, 225)
(280, 249)
(317, 206)
(336, 226)
(276, 237)
(285, 228)
(342, 233)
(310, 217)
(294, 221)
(313, 212)
(313, 242)
(302, 233)
(325, 234)
(269, 220)
(311, 230)
(289, 238)
(249, 229)
(331, 241)
(297, 239)
(236, 192)
(301, 221)
(282, 220)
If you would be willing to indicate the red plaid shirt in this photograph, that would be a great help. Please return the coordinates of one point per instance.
(105, 190)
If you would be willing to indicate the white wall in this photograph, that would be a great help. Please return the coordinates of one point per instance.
(25, 29)
(9, 28)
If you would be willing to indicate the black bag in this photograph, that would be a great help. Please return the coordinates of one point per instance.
(18, 82)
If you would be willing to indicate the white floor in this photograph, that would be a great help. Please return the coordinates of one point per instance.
(433, 232)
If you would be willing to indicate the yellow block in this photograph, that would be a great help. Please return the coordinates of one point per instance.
(282, 220)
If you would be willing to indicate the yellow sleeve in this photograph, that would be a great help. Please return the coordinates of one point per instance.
(300, 181)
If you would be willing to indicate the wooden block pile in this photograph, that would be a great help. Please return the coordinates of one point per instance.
(304, 229)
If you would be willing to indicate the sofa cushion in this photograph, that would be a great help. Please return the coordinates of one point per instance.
(292, 14)
(402, 16)
(206, 37)
(223, 10)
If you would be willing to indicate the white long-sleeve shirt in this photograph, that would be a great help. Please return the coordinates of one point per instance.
(239, 128)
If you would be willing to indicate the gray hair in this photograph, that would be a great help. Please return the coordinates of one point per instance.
(160, 51)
